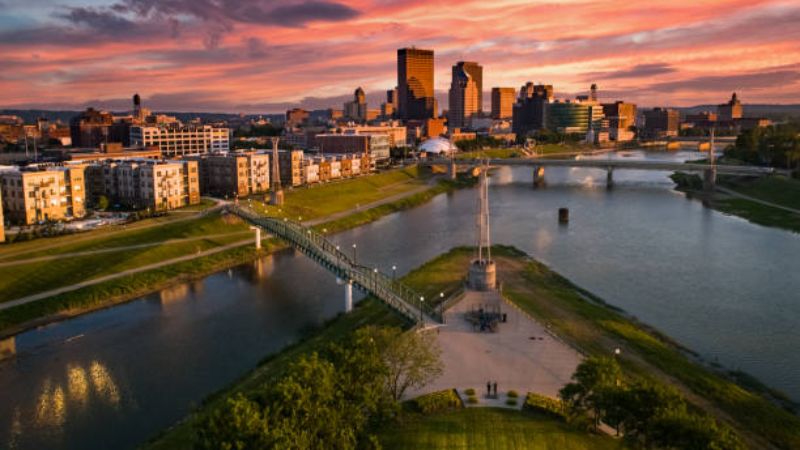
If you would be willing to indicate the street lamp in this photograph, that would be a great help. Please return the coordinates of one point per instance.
(421, 301)
(441, 305)
(394, 272)
(354, 254)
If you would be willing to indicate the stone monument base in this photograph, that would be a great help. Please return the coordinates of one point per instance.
(482, 275)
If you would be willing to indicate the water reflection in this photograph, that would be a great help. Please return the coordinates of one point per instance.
(57, 401)
(8, 347)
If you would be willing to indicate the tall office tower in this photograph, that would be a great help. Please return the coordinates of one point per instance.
(731, 110)
(357, 109)
(416, 99)
(464, 95)
(530, 111)
(475, 70)
(503, 102)
(593, 93)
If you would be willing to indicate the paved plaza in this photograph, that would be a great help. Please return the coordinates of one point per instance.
(519, 356)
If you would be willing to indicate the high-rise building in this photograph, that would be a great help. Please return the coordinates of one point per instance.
(464, 94)
(91, 128)
(503, 102)
(573, 117)
(475, 71)
(176, 140)
(730, 111)
(415, 94)
(357, 109)
(530, 110)
(32, 196)
(661, 122)
(621, 119)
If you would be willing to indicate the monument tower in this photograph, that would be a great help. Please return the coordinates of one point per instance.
(483, 271)
(276, 193)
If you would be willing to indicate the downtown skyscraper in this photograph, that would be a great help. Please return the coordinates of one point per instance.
(464, 95)
(416, 99)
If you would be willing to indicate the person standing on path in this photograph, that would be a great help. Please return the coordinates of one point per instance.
(488, 388)
(494, 387)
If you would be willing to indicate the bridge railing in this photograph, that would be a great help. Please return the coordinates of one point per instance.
(319, 248)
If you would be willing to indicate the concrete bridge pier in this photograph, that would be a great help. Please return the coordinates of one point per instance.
(609, 177)
(709, 179)
(258, 237)
(348, 296)
(452, 171)
(538, 176)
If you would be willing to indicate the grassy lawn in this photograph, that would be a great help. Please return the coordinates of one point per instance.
(777, 189)
(495, 153)
(30, 278)
(121, 289)
(758, 213)
(325, 199)
(489, 429)
(96, 240)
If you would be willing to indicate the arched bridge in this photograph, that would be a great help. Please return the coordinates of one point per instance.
(372, 281)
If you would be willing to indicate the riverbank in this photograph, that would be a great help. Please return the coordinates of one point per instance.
(189, 240)
(772, 201)
(578, 318)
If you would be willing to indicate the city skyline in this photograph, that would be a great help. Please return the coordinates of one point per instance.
(266, 56)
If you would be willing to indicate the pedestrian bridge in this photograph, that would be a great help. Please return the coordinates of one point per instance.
(328, 255)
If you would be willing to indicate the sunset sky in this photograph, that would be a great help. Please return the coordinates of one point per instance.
(259, 56)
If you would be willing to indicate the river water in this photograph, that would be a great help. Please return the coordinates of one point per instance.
(715, 283)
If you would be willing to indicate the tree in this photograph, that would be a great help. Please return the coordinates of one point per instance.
(412, 358)
(592, 379)
(680, 430)
(102, 203)
(238, 425)
(643, 402)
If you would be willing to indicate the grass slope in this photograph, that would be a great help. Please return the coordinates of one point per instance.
(489, 429)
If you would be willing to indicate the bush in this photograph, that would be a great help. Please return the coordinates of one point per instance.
(472, 400)
(544, 405)
(438, 401)
(512, 394)
(470, 392)
(511, 402)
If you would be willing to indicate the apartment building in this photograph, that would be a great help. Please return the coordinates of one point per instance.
(234, 174)
(176, 140)
(146, 184)
(290, 163)
(43, 194)
(375, 145)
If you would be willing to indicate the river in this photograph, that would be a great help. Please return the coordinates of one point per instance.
(715, 283)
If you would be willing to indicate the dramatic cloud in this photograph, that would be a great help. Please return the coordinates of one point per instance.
(266, 55)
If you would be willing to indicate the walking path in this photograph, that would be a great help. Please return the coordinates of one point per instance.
(756, 200)
(73, 287)
(521, 356)
(115, 249)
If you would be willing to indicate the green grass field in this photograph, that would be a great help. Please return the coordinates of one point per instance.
(760, 214)
(781, 190)
(489, 429)
(495, 153)
(321, 200)
(30, 278)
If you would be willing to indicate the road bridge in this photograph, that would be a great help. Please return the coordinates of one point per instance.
(328, 255)
(709, 171)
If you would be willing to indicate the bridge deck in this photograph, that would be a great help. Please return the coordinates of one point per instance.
(325, 253)
(722, 169)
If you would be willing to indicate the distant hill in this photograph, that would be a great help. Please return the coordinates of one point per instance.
(774, 112)
(30, 115)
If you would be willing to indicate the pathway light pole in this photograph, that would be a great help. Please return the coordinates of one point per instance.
(394, 272)
(354, 255)
(421, 302)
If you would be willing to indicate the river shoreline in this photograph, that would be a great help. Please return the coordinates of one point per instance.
(236, 257)
(573, 314)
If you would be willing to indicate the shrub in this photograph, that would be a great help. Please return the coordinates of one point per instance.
(438, 401)
(511, 402)
(512, 394)
(545, 405)
(470, 392)
(472, 400)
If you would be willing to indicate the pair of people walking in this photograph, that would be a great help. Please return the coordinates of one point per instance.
(490, 387)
